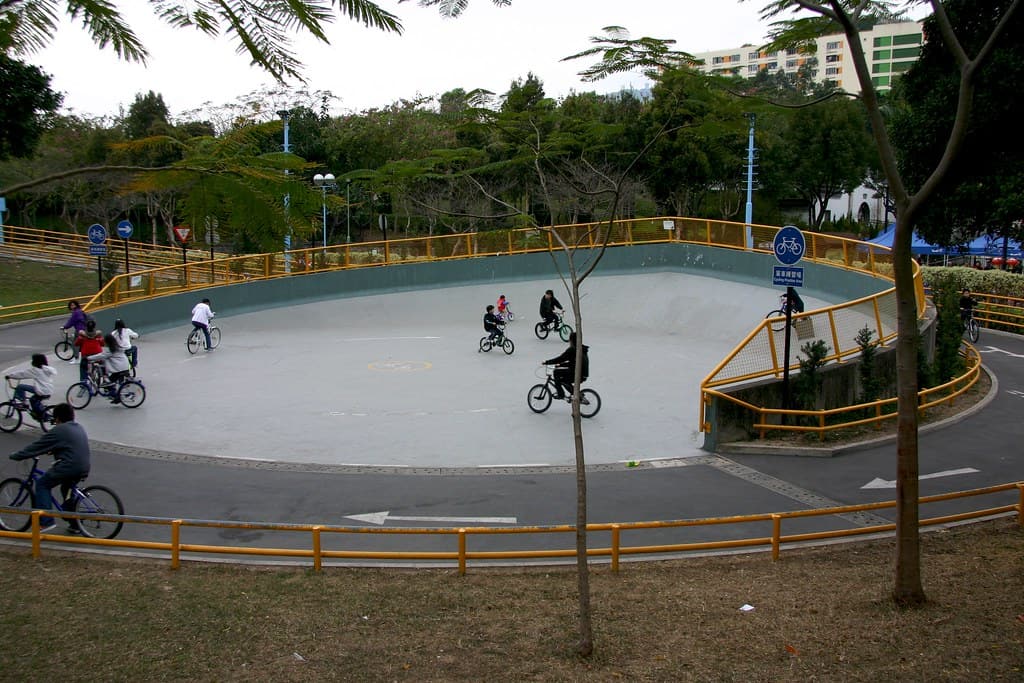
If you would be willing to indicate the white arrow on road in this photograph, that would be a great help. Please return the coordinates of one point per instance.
(379, 518)
(877, 483)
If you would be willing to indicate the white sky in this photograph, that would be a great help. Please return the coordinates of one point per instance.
(488, 47)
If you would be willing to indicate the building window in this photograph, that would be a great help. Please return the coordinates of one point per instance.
(833, 58)
(909, 39)
(792, 51)
(790, 63)
(751, 68)
(717, 60)
(771, 66)
(883, 41)
(906, 52)
(881, 54)
(834, 45)
(880, 68)
(900, 67)
(751, 55)
(833, 71)
(880, 80)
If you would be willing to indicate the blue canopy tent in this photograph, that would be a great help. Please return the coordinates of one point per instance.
(993, 246)
(917, 244)
(979, 246)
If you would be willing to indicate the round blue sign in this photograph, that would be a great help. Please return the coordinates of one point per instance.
(789, 245)
(124, 229)
(97, 233)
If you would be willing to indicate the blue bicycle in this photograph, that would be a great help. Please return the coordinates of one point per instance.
(17, 497)
(12, 412)
(128, 392)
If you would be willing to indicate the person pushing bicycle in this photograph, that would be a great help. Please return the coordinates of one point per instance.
(549, 305)
(565, 368)
(68, 444)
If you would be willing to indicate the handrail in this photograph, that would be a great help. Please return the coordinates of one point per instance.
(461, 555)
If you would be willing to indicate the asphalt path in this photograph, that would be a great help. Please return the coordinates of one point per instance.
(692, 485)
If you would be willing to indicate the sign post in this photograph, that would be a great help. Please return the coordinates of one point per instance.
(124, 231)
(183, 233)
(789, 247)
(97, 247)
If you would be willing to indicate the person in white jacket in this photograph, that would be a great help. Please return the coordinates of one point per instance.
(124, 336)
(42, 375)
(202, 314)
(115, 363)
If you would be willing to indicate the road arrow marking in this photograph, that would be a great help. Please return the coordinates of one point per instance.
(379, 518)
(877, 483)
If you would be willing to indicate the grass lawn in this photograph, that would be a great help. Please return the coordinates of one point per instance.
(820, 614)
(30, 281)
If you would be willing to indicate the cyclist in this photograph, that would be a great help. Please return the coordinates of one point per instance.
(502, 307)
(76, 321)
(88, 343)
(565, 370)
(492, 324)
(967, 305)
(124, 336)
(549, 308)
(69, 445)
(201, 317)
(115, 363)
(40, 373)
(793, 300)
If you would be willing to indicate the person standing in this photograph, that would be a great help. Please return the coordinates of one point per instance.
(202, 314)
(77, 321)
(68, 444)
(88, 343)
(42, 375)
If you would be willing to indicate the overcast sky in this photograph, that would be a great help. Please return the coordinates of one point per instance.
(488, 47)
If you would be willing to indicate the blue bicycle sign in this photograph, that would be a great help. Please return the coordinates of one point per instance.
(789, 245)
(97, 233)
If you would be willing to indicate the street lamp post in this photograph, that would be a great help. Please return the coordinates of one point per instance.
(285, 115)
(348, 210)
(324, 182)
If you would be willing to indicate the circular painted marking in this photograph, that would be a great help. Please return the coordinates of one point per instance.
(400, 365)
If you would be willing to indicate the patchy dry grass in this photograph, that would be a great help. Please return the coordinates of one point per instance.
(30, 281)
(820, 614)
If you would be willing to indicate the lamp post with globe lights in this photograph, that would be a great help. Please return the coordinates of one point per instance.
(324, 182)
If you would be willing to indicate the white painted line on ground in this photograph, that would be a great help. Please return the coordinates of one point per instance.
(379, 518)
(877, 483)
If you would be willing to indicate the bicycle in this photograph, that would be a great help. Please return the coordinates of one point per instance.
(65, 350)
(507, 315)
(12, 412)
(501, 341)
(128, 392)
(540, 395)
(19, 494)
(542, 329)
(788, 244)
(971, 327)
(780, 312)
(197, 340)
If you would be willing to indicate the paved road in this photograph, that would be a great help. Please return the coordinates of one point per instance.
(690, 485)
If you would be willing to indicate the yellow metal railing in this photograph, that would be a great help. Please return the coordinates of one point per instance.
(822, 422)
(772, 538)
(999, 312)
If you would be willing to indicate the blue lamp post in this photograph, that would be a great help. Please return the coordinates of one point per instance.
(324, 182)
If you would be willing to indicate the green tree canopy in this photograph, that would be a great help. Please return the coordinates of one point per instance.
(28, 106)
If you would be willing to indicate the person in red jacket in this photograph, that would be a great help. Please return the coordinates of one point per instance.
(89, 343)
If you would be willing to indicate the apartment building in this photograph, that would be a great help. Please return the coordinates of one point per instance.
(890, 50)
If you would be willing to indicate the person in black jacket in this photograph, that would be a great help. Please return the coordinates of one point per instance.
(565, 371)
(69, 445)
(492, 324)
(548, 306)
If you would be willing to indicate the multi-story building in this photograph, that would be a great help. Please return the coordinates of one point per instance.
(890, 50)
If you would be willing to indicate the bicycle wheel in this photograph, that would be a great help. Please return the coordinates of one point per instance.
(10, 417)
(973, 330)
(590, 403)
(509, 315)
(214, 337)
(539, 398)
(99, 500)
(541, 330)
(47, 421)
(564, 331)
(64, 350)
(485, 344)
(131, 394)
(507, 346)
(192, 341)
(13, 494)
(79, 394)
(780, 325)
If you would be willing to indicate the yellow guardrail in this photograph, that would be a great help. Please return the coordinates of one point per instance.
(999, 312)
(837, 251)
(460, 555)
(873, 413)
(38, 309)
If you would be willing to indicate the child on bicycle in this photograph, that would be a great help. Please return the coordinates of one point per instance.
(124, 336)
(76, 321)
(967, 305)
(565, 368)
(502, 308)
(88, 343)
(202, 314)
(115, 364)
(550, 308)
(42, 375)
(492, 324)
